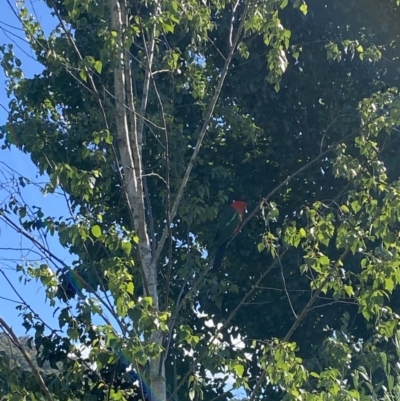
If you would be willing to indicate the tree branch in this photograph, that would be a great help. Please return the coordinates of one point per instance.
(207, 119)
(296, 173)
(300, 318)
(226, 323)
(313, 299)
(35, 370)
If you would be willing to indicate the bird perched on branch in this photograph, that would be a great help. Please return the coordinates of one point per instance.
(229, 223)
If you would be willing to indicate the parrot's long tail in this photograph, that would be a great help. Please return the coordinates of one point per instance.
(219, 256)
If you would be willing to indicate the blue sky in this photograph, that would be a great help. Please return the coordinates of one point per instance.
(52, 205)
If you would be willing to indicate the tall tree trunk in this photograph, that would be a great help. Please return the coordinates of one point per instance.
(130, 134)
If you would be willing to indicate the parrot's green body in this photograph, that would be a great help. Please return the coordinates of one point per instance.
(229, 223)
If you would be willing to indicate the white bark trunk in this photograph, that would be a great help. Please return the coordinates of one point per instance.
(130, 143)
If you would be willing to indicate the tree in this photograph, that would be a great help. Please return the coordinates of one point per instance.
(150, 117)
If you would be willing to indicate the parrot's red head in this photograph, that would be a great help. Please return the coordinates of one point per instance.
(239, 206)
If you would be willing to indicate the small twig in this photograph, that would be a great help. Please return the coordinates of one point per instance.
(150, 214)
(146, 84)
(232, 23)
(172, 323)
(10, 300)
(219, 51)
(156, 175)
(332, 303)
(286, 291)
(258, 385)
(32, 239)
(281, 289)
(179, 305)
(160, 71)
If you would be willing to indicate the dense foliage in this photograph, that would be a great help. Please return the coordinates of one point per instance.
(292, 107)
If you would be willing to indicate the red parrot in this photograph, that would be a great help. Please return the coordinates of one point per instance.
(229, 223)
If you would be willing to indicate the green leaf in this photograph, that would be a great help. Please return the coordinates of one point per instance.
(174, 5)
(239, 369)
(355, 205)
(389, 284)
(127, 247)
(109, 139)
(324, 260)
(260, 247)
(96, 231)
(130, 288)
(22, 212)
(349, 290)
(304, 9)
(168, 28)
(98, 65)
(83, 74)
(345, 209)
(147, 301)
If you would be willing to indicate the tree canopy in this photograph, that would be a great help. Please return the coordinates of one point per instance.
(150, 118)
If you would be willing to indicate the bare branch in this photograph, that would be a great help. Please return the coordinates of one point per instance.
(171, 323)
(146, 84)
(286, 291)
(231, 45)
(258, 385)
(150, 215)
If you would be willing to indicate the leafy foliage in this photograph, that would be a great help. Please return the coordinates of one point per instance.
(292, 108)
